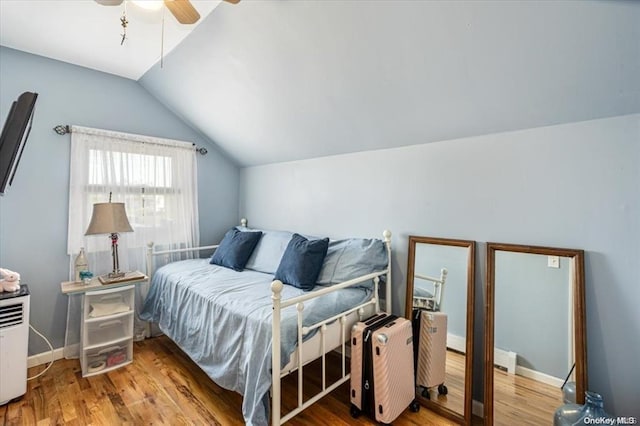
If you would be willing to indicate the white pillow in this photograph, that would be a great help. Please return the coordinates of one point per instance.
(268, 252)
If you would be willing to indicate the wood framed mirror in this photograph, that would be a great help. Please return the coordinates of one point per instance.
(431, 257)
(534, 332)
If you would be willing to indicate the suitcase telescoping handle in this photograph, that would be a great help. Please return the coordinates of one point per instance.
(368, 383)
(415, 325)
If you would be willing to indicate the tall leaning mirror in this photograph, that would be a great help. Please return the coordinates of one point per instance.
(534, 332)
(440, 300)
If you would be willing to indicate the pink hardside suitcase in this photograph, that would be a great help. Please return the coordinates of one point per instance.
(430, 339)
(382, 380)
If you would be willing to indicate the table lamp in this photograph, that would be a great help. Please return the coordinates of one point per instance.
(110, 218)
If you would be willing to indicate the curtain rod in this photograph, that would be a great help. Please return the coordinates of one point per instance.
(63, 129)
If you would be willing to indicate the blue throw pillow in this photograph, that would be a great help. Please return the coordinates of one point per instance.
(235, 249)
(301, 262)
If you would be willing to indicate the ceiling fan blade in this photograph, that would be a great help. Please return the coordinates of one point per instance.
(233, 1)
(109, 2)
(183, 10)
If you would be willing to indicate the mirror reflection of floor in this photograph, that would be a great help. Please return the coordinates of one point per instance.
(523, 401)
(454, 400)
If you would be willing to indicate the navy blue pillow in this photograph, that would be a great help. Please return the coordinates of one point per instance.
(302, 261)
(235, 249)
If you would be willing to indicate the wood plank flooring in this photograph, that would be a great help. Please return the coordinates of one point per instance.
(523, 401)
(164, 387)
(454, 380)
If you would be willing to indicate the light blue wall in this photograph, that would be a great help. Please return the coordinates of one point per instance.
(34, 211)
(574, 185)
(430, 258)
(532, 311)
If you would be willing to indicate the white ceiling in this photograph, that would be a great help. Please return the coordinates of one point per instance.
(279, 80)
(82, 32)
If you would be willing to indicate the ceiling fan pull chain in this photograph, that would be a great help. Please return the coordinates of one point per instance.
(162, 40)
(124, 23)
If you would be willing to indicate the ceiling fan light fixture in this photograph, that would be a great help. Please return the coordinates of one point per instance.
(149, 4)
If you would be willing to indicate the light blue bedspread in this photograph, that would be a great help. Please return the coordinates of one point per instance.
(222, 319)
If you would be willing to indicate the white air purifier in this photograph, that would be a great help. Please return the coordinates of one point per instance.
(14, 341)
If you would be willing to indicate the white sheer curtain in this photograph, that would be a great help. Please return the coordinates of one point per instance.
(155, 178)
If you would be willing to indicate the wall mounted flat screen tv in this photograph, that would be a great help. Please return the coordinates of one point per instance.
(14, 136)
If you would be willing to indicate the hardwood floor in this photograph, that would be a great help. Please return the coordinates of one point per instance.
(523, 401)
(164, 387)
(454, 380)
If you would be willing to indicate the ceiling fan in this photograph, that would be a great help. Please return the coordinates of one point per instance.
(182, 10)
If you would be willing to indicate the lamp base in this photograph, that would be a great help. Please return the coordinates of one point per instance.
(116, 274)
(121, 277)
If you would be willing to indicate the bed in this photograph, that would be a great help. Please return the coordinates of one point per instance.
(239, 326)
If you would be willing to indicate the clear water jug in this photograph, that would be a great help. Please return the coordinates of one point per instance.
(575, 414)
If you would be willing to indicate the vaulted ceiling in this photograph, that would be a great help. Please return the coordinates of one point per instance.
(278, 80)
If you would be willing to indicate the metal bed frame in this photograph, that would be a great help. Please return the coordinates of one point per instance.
(431, 303)
(345, 320)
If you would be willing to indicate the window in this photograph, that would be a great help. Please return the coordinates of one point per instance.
(155, 178)
(146, 182)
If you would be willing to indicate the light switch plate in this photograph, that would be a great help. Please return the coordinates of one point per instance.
(553, 261)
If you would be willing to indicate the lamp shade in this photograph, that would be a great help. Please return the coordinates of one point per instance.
(108, 218)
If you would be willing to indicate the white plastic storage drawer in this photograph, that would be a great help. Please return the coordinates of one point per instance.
(109, 330)
(105, 358)
(106, 303)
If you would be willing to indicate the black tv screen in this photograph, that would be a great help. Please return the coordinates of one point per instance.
(14, 136)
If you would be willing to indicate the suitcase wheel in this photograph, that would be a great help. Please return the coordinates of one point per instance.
(414, 406)
(442, 389)
(355, 411)
(425, 393)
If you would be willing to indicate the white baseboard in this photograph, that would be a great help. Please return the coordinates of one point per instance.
(457, 343)
(44, 357)
(541, 377)
(505, 359)
(477, 408)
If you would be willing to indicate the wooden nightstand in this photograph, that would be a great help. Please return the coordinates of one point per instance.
(106, 328)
